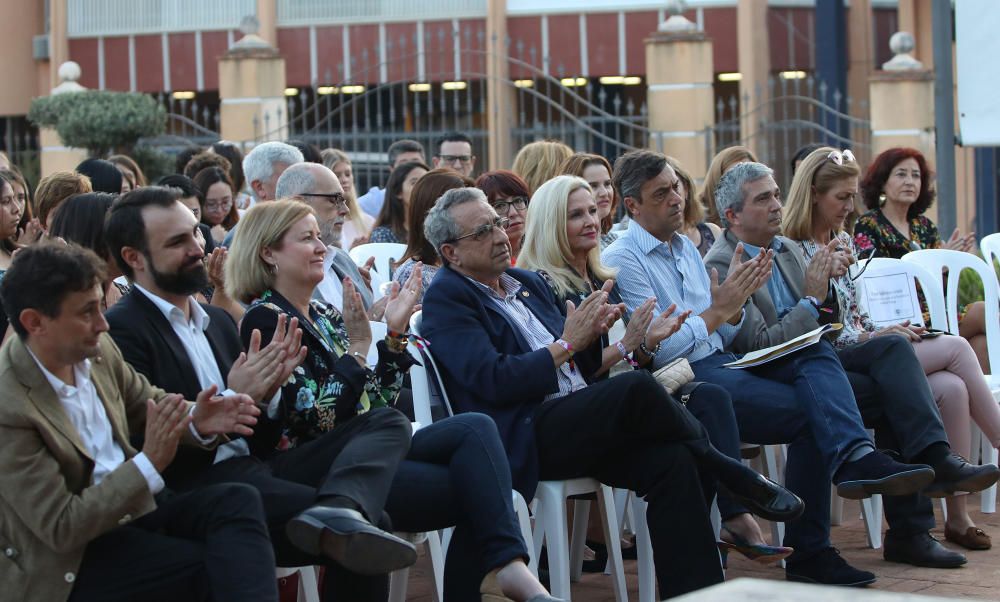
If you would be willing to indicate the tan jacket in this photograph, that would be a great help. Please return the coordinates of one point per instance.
(49, 508)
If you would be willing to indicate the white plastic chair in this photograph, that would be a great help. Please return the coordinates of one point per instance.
(385, 254)
(906, 304)
(936, 261)
(308, 584)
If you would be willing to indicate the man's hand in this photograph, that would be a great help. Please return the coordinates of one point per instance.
(165, 423)
(259, 373)
(744, 278)
(664, 325)
(218, 415)
(589, 321)
(821, 269)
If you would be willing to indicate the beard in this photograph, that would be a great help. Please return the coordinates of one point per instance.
(330, 234)
(188, 280)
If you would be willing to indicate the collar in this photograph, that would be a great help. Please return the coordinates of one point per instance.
(81, 370)
(751, 250)
(508, 283)
(646, 242)
(199, 317)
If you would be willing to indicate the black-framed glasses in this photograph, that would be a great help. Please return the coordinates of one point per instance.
(480, 233)
(463, 159)
(337, 198)
(867, 260)
(519, 203)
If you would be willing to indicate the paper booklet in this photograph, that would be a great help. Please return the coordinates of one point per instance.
(768, 354)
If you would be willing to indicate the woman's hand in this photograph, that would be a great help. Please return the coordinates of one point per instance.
(903, 329)
(638, 325)
(403, 302)
(31, 234)
(664, 325)
(957, 242)
(215, 264)
(359, 331)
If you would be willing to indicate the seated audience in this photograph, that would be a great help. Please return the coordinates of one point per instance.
(359, 224)
(55, 188)
(400, 152)
(540, 161)
(87, 514)
(390, 226)
(507, 193)
(81, 221)
(721, 162)
(506, 349)
(455, 472)
(104, 176)
(596, 170)
(821, 197)
(218, 211)
(803, 399)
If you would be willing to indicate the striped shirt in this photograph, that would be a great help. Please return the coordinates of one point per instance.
(531, 328)
(673, 273)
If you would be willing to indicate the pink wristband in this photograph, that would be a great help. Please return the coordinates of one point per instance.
(625, 354)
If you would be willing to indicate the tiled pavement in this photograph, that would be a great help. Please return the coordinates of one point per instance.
(979, 579)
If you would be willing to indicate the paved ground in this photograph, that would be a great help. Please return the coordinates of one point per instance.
(979, 579)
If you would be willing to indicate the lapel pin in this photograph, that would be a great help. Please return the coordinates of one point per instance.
(524, 293)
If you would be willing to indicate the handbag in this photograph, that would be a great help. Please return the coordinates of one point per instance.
(674, 375)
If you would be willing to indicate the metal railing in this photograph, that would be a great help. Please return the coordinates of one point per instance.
(321, 12)
(90, 18)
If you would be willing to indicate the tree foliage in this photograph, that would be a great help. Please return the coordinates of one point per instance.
(100, 121)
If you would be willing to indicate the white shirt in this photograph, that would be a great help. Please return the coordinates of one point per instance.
(191, 332)
(331, 289)
(87, 414)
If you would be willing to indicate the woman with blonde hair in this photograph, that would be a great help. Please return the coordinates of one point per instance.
(721, 163)
(823, 193)
(540, 161)
(359, 224)
(561, 244)
(456, 471)
(702, 233)
(596, 170)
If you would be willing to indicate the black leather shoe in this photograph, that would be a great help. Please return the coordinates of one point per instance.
(344, 536)
(878, 473)
(827, 568)
(954, 473)
(764, 497)
(920, 549)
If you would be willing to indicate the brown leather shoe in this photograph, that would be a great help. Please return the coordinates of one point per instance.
(973, 539)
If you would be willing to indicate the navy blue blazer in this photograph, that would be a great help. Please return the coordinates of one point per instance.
(488, 366)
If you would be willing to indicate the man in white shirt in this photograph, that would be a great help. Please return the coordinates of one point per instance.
(176, 342)
(85, 514)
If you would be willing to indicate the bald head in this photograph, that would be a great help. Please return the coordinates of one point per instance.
(317, 186)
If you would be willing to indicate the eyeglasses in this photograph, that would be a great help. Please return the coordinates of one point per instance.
(867, 260)
(218, 206)
(519, 203)
(841, 157)
(480, 233)
(337, 198)
(463, 159)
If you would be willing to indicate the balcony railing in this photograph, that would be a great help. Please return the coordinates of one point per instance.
(315, 12)
(89, 18)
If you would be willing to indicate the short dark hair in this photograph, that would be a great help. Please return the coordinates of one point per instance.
(104, 176)
(184, 156)
(450, 137)
(803, 152)
(633, 169)
(399, 147)
(310, 152)
(182, 183)
(41, 277)
(81, 219)
(125, 227)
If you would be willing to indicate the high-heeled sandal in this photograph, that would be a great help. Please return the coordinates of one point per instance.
(490, 591)
(760, 553)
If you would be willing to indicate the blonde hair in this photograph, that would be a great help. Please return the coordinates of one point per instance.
(263, 226)
(540, 161)
(721, 163)
(56, 188)
(331, 157)
(546, 246)
(817, 174)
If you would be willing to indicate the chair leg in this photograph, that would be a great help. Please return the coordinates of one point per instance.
(524, 522)
(612, 538)
(644, 552)
(308, 584)
(397, 585)
(988, 498)
(836, 508)
(578, 542)
(552, 514)
(871, 511)
(436, 552)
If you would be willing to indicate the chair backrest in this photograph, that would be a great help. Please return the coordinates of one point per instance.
(429, 396)
(385, 254)
(936, 261)
(379, 330)
(888, 293)
(990, 245)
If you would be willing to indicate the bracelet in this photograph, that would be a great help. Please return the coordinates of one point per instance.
(396, 344)
(625, 354)
(649, 352)
(364, 358)
(569, 349)
(395, 335)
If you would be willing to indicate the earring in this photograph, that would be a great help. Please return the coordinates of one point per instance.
(881, 199)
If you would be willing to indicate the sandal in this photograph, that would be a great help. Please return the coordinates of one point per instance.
(973, 539)
(760, 553)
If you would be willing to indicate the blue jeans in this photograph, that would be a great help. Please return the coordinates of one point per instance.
(804, 400)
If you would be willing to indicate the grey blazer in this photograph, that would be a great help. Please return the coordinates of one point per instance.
(761, 326)
(344, 266)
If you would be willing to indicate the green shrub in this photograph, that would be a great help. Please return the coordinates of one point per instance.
(100, 121)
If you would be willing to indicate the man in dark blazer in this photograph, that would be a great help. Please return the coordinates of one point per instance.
(506, 350)
(151, 236)
(891, 390)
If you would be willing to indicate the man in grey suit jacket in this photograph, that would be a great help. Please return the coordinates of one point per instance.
(317, 186)
(890, 387)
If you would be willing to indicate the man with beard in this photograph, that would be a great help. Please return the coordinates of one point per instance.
(186, 346)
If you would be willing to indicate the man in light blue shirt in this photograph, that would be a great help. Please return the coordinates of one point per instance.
(804, 400)
(400, 151)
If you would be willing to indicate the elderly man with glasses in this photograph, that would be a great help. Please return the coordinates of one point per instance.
(507, 349)
(888, 382)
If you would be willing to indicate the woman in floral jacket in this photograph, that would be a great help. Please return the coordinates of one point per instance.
(456, 472)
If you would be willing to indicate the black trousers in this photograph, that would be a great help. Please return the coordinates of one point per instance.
(895, 400)
(627, 432)
(356, 460)
(206, 544)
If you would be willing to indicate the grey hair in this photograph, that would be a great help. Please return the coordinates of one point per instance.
(729, 193)
(439, 225)
(259, 163)
(297, 179)
(633, 169)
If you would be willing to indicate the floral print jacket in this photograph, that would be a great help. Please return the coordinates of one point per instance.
(329, 387)
(874, 230)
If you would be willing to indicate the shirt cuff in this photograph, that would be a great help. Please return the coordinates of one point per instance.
(698, 328)
(153, 479)
(809, 307)
(273, 404)
(194, 432)
(727, 331)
